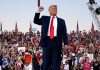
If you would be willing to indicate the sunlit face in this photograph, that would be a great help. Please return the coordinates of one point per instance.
(53, 10)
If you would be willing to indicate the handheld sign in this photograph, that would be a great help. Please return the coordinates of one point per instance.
(21, 49)
(28, 58)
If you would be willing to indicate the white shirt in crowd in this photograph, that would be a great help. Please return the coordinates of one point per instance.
(29, 67)
(54, 24)
(0, 67)
(64, 59)
(81, 59)
(66, 67)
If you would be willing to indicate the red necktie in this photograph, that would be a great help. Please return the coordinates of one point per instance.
(52, 28)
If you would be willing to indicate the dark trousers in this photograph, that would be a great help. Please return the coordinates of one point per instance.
(51, 55)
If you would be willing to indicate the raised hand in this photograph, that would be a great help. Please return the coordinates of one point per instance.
(40, 8)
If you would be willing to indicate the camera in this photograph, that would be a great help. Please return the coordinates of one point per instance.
(97, 11)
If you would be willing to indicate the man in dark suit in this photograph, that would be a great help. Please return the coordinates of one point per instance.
(53, 32)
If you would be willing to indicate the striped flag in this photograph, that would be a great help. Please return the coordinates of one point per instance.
(77, 28)
(38, 3)
(1, 26)
(92, 28)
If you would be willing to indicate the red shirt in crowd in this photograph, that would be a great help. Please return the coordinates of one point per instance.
(38, 58)
(86, 66)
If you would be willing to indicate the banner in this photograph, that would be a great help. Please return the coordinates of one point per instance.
(90, 57)
(21, 49)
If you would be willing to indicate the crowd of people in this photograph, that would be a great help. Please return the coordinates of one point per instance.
(82, 53)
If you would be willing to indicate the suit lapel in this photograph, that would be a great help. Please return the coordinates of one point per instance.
(48, 21)
(57, 25)
(47, 24)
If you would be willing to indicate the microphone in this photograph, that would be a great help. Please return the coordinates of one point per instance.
(38, 3)
(40, 7)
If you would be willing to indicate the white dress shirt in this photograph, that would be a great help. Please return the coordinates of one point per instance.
(54, 24)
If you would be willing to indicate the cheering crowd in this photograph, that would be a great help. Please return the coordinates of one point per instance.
(82, 53)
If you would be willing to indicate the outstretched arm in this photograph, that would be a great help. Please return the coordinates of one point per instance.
(38, 20)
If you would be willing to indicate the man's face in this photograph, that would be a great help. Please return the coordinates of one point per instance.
(53, 10)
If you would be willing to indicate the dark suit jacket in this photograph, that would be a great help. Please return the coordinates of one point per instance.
(61, 29)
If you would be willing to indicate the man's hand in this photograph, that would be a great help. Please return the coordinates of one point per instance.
(40, 8)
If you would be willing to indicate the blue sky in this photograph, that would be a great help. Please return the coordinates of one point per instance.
(23, 12)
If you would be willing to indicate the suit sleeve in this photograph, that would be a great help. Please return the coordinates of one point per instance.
(65, 36)
(38, 20)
